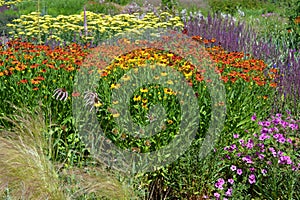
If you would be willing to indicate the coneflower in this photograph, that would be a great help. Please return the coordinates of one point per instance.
(92, 100)
(62, 93)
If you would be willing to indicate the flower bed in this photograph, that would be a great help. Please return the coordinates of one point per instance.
(247, 158)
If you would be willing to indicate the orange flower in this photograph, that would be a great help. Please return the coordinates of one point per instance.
(40, 78)
(34, 81)
(297, 20)
(34, 66)
(75, 94)
(24, 81)
(35, 88)
(260, 83)
(225, 78)
(199, 77)
(232, 79)
(273, 84)
(273, 70)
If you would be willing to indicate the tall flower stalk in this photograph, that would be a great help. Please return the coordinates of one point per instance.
(85, 22)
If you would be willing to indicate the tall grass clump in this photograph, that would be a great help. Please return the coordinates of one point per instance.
(26, 171)
(24, 168)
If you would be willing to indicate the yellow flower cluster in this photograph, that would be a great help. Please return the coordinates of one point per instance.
(33, 24)
(8, 3)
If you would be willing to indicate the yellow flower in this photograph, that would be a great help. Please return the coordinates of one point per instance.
(115, 102)
(145, 100)
(188, 73)
(144, 106)
(170, 121)
(156, 77)
(115, 86)
(116, 115)
(168, 91)
(98, 104)
(144, 90)
(126, 77)
(164, 73)
(170, 82)
(137, 98)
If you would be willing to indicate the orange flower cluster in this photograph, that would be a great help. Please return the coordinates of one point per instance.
(21, 57)
(231, 65)
(297, 20)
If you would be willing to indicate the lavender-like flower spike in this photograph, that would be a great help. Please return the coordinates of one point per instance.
(62, 93)
(91, 99)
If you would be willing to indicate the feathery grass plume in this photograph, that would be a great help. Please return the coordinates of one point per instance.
(24, 168)
(96, 180)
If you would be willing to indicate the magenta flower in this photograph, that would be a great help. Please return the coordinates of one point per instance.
(250, 144)
(233, 167)
(229, 192)
(217, 195)
(252, 179)
(235, 136)
(231, 181)
(264, 171)
(247, 159)
(261, 156)
(219, 184)
(263, 137)
(253, 118)
(293, 126)
(239, 171)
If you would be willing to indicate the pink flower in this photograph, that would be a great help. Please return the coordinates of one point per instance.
(252, 179)
(253, 118)
(239, 171)
(233, 167)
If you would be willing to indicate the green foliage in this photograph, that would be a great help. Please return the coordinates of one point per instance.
(120, 2)
(231, 7)
(293, 14)
(169, 4)
(54, 8)
(107, 8)
(6, 17)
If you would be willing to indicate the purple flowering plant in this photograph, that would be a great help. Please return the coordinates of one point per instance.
(266, 161)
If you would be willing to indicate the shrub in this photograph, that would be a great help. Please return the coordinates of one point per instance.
(6, 17)
(231, 7)
(106, 8)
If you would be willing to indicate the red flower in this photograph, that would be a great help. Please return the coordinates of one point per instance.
(185, 31)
